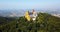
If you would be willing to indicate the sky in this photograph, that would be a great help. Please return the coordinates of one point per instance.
(29, 4)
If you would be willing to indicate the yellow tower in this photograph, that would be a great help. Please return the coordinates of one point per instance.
(27, 16)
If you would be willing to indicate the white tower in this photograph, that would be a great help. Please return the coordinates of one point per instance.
(34, 15)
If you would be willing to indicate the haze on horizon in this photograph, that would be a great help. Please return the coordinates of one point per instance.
(29, 4)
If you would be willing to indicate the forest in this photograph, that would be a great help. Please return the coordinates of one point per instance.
(43, 23)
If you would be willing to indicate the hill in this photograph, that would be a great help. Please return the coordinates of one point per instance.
(4, 20)
(43, 23)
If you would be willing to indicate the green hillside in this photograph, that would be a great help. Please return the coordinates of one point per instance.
(44, 23)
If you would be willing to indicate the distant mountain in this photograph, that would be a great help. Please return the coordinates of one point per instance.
(11, 13)
(18, 13)
(53, 12)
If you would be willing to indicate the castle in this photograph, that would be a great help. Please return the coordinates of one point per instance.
(31, 15)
